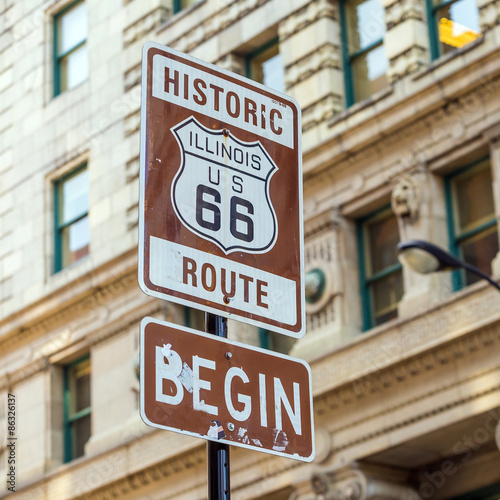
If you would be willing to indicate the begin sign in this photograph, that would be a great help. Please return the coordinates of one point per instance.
(220, 390)
(220, 220)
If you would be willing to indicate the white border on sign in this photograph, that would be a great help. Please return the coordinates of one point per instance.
(142, 184)
(147, 320)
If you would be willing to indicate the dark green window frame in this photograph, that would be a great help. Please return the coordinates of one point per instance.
(69, 419)
(58, 225)
(178, 6)
(59, 57)
(433, 27)
(491, 492)
(193, 318)
(255, 54)
(348, 58)
(458, 276)
(366, 282)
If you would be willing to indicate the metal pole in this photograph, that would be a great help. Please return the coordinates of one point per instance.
(217, 453)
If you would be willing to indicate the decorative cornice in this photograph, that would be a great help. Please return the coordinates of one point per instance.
(55, 311)
(140, 479)
(56, 344)
(382, 380)
(322, 223)
(269, 467)
(149, 309)
(408, 62)
(232, 62)
(132, 77)
(132, 122)
(213, 25)
(489, 14)
(356, 485)
(325, 56)
(145, 24)
(321, 110)
(402, 10)
(306, 16)
(422, 129)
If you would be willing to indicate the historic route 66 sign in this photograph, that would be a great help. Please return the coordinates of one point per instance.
(220, 216)
(228, 180)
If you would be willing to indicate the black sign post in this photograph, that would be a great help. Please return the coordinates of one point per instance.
(217, 452)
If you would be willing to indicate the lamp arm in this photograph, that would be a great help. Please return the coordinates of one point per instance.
(475, 270)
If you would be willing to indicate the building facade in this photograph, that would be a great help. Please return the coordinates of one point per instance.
(400, 108)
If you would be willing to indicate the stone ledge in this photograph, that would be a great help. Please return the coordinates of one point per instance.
(359, 106)
(447, 57)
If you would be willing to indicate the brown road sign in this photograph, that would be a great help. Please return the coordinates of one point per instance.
(220, 390)
(220, 224)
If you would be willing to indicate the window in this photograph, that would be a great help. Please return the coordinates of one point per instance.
(71, 202)
(71, 65)
(365, 62)
(194, 318)
(472, 222)
(488, 493)
(183, 4)
(381, 280)
(275, 341)
(265, 66)
(77, 425)
(452, 24)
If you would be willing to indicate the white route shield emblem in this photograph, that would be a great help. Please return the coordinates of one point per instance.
(221, 191)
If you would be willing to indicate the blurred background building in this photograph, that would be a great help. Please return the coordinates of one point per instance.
(401, 126)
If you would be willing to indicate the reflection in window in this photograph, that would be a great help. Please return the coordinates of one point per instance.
(473, 225)
(72, 233)
(183, 4)
(265, 66)
(453, 24)
(77, 408)
(194, 318)
(381, 278)
(365, 62)
(70, 47)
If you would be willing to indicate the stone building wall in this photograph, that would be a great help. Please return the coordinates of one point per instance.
(407, 409)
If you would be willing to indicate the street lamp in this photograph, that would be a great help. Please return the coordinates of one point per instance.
(424, 257)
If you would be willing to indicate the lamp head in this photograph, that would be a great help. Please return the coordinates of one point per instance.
(424, 257)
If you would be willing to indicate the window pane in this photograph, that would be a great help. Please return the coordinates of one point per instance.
(195, 319)
(479, 251)
(72, 28)
(75, 241)
(75, 196)
(79, 386)
(383, 237)
(386, 293)
(369, 73)
(187, 3)
(74, 68)
(80, 435)
(365, 23)
(473, 199)
(267, 68)
(273, 74)
(458, 24)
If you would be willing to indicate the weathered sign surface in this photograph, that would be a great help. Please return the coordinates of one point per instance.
(220, 193)
(206, 386)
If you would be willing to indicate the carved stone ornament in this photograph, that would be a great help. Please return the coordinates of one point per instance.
(344, 486)
(405, 198)
(318, 286)
(355, 485)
